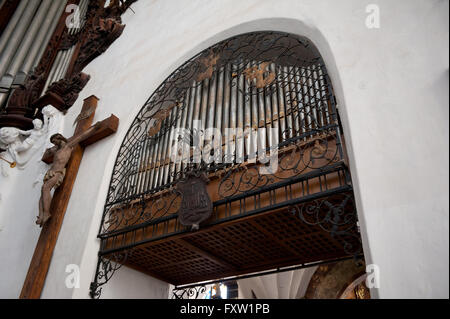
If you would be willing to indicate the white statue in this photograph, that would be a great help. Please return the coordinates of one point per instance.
(19, 145)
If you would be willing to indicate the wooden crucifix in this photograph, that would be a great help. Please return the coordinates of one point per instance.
(84, 135)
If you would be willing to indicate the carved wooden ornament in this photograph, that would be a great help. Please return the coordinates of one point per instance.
(207, 65)
(159, 117)
(196, 206)
(259, 75)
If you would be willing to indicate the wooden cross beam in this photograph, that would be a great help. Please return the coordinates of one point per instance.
(84, 135)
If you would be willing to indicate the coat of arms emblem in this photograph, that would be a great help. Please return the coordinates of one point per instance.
(196, 206)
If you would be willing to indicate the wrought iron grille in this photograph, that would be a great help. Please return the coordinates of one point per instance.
(266, 80)
(261, 80)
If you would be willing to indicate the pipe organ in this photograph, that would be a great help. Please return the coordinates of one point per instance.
(64, 56)
(37, 47)
(191, 202)
(24, 40)
(297, 106)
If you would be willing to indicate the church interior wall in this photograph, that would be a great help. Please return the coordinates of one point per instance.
(391, 86)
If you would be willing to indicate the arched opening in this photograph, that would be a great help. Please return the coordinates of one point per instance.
(234, 166)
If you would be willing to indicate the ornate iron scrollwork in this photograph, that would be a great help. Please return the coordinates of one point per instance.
(298, 158)
(106, 267)
(139, 210)
(335, 215)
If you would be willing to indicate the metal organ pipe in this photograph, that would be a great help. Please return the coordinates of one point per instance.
(44, 29)
(239, 154)
(27, 41)
(10, 40)
(64, 57)
(49, 33)
(16, 37)
(295, 101)
(11, 27)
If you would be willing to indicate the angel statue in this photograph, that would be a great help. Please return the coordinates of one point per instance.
(21, 145)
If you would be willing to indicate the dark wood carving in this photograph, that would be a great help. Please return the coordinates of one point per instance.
(103, 26)
(259, 75)
(196, 206)
(63, 94)
(159, 117)
(20, 104)
(206, 67)
(18, 113)
(68, 40)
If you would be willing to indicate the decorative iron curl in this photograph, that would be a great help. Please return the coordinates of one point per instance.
(335, 215)
(294, 158)
(135, 211)
(241, 179)
(106, 268)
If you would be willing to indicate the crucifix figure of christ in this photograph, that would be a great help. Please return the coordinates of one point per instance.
(65, 159)
(55, 175)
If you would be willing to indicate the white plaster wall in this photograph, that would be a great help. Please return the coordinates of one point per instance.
(126, 281)
(19, 195)
(18, 231)
(392, 89)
